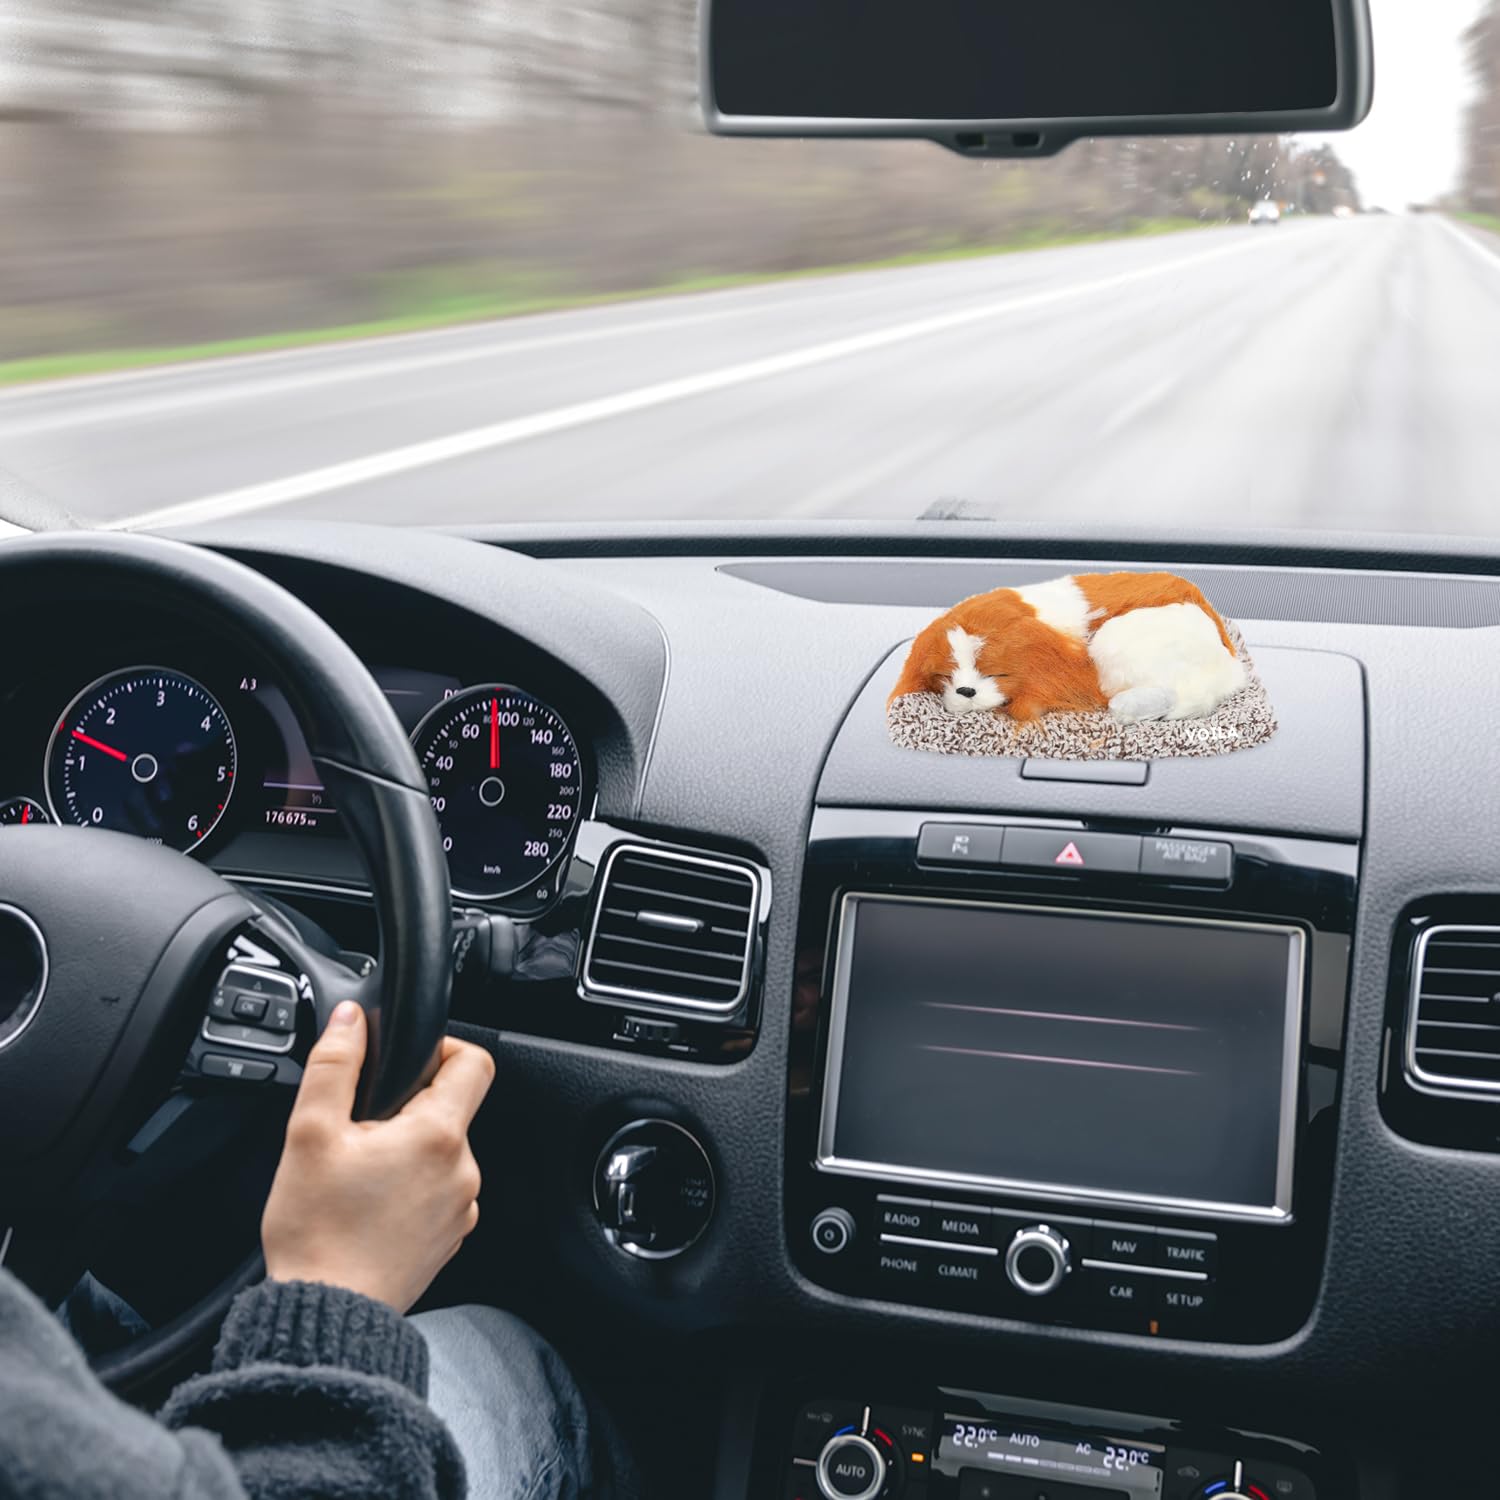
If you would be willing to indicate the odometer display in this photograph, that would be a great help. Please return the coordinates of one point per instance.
(145, 751)
(504, 776)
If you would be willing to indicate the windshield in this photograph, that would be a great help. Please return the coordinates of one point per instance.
(465, 263)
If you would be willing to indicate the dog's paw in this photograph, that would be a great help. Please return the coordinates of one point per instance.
(1140, 704)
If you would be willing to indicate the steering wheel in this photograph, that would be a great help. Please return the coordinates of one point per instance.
(117, 954)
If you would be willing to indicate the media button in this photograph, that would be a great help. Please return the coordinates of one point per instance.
(1183, 1250)
(959, 1224)
(959, 844)
(1123, 1244)
(1118, 1300)
(911, 1217)
(1069, 853)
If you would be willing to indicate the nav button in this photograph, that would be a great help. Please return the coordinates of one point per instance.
(1123, 1244)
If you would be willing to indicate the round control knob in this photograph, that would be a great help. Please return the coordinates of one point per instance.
(832, 1231)
(1038, 1260)
(850, 1468)
(653, 1189)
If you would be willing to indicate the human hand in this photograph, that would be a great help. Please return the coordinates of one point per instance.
(377, 1206)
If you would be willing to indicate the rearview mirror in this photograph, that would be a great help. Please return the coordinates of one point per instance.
(1010, 78)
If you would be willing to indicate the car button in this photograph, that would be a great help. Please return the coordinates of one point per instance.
(960, 1225)
(1187, 859)
(1123, 1244)
(1182, 1250)
(1118, 1300)
(959, 844)
(1072, 853)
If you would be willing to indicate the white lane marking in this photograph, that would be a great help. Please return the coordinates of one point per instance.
(1480, 249)
(1138, 405)
(277, 492)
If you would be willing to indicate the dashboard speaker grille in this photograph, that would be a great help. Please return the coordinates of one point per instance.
(1453, 1026)
(674, 931)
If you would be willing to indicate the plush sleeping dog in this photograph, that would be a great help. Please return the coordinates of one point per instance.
(1143, 645)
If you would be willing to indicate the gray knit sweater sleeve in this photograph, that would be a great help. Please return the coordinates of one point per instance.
(315, 1394)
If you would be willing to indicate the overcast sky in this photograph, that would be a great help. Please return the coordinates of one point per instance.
(1410, 148)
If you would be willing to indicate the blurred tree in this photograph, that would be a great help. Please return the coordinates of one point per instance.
(1481, 177)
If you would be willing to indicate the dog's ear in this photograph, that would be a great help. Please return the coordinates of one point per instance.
(930, 658)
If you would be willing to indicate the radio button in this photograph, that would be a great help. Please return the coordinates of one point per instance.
(959, 844)
(1123, 1244)
(960, 1225)
(911, 1217)
(1117, 1300)
(1183, 1250)
(1068, 853)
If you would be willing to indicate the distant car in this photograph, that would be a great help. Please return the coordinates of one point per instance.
(1343, 211)
(1265, 213)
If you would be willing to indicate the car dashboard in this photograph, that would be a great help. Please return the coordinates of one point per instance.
(1219, 1257)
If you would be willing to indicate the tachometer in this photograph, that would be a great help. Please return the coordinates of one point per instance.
(19, 811)
(145, 751)
(506, 785)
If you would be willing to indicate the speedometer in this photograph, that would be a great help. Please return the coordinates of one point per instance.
(145, 751)
(506, 784)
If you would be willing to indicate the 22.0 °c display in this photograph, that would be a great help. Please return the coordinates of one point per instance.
(146, 751)
(505, 781)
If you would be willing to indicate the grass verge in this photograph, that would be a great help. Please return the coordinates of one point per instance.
(429, 312)
(1483, 221)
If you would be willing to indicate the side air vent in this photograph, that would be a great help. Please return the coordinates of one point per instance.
(672, 931)
(1453, 1025)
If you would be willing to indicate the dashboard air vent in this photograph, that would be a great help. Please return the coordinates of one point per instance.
(673, 931)
(1453, 1026)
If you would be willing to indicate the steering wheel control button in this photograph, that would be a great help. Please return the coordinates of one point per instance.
(281, 1015)
(959, 844)
(851, 1468)
(23, 972)
(1067, 853)
(1187, 859)
(236, 1069)
(1038, 1260)
(250, 1007)
(1184, 1250)
(1123, 1244)
(653, 1189)
(832, 1231)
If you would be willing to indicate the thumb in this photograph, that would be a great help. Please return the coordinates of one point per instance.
(331, 1075)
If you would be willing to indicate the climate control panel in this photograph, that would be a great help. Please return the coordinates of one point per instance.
(960, 1445)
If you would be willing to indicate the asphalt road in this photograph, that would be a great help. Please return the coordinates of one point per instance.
(1341, 374)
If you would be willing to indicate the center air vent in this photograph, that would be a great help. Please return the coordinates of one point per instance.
(1453, 1027)
(673, 931)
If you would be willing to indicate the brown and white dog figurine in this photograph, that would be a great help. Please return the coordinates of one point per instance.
(1144, 645)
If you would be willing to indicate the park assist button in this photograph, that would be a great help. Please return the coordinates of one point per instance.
(1068, 853)
(1187, 859)
(959, 844)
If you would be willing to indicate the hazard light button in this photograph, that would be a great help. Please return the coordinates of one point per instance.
(1066, 853)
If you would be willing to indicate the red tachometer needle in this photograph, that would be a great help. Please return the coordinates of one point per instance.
(78, 734)
(26, 815)
(494, 734)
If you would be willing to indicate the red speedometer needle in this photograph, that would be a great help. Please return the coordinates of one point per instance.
(78, 734)
(26, 815)
(494, 734)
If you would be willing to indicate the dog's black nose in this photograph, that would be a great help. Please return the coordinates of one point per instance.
(965, 692)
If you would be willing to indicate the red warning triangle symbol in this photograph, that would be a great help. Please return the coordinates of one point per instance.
(1069, 856)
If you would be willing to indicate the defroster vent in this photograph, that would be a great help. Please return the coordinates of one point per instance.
(1453, 1026)
(673, 931)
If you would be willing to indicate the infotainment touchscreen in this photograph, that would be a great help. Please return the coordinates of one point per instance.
(1133, 1059)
